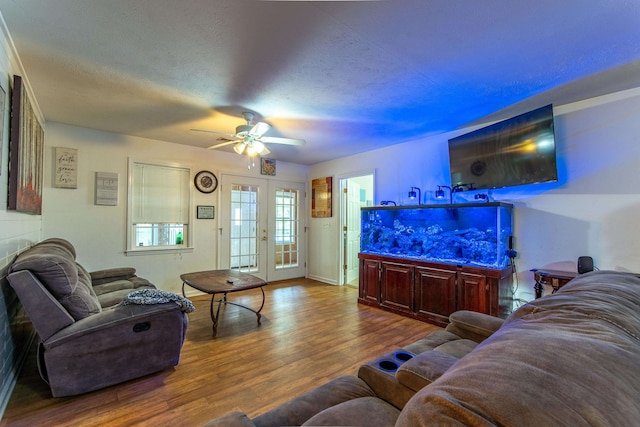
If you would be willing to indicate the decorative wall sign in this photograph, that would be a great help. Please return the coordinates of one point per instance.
(206, 182)
(65, 167)
(321, 197)
(206, 212)
(106, 191)
(267, 166)
(25, 153)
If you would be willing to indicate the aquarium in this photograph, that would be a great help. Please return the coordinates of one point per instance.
(475, 234)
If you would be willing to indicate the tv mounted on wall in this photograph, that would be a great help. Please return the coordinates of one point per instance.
(516, 151)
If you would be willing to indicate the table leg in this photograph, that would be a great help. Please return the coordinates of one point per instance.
(538, 289)
(223, 299)
(260, 309)
(215, 317)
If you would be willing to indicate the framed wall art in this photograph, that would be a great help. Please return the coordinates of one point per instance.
(267, 167)
(65, 167)
(26, 152)
(106, 189)
(321, 197)
(206, 212)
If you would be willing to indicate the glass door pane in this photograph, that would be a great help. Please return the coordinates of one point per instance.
(287, 228)
(243, 239)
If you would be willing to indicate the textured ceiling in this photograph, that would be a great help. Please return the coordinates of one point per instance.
(345, 76)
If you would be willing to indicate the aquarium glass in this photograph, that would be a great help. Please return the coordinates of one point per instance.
(472, 234)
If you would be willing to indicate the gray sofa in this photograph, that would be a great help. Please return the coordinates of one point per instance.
(88, 338)
(567, 359)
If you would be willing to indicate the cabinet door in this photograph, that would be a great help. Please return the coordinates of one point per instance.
(369, 281)
(435, 294)
(397, 287)
(473, 293)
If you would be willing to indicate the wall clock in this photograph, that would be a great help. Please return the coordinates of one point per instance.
(206, 182)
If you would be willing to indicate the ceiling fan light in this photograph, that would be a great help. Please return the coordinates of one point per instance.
(239, 147)
(258, 146)
(251, 151)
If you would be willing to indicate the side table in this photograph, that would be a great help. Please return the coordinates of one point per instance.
(554, 278)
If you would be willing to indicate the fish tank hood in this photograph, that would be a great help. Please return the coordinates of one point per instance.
(475, 234)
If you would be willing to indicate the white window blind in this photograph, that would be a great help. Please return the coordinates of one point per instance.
(160, 194)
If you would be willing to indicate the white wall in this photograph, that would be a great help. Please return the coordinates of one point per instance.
(592, 209)
(98, 232)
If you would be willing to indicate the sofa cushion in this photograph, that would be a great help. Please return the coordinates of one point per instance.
(472, 325)
(424, 368)
(363, 411)
(457, 348)
(300, 409)
(112, 293)
(109, 275)
(55, 267)
(431, 341)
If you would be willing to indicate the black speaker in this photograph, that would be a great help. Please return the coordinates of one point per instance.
(585, 264)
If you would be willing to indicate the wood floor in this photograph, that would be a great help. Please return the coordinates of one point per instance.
(311, 332)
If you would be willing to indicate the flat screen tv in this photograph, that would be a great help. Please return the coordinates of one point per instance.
(516, 151)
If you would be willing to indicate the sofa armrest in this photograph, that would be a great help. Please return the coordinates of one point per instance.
(425, 368)
(129, 319)
(46, 313)
(108, 275)
(232, 419)
(472, 325)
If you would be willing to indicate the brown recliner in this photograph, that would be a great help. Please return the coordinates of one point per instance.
(88, 339)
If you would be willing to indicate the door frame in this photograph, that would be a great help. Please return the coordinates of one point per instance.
(342, 209)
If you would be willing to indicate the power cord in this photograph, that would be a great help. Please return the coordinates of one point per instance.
(514, 290)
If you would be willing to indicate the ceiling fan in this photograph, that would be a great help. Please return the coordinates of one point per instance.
(250, 138)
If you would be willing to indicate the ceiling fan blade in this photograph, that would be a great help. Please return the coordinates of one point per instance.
(213, 132)
(288, 141)
(222, 144)
(259, 129)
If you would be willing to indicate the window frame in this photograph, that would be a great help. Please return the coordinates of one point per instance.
(131, 247)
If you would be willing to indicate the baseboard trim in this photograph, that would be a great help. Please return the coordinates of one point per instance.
(323, 279)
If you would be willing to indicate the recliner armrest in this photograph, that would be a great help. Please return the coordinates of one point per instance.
(130, 318)
(472, 325)
(109, 275)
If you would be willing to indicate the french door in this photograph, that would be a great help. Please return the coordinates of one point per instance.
(262, 229)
